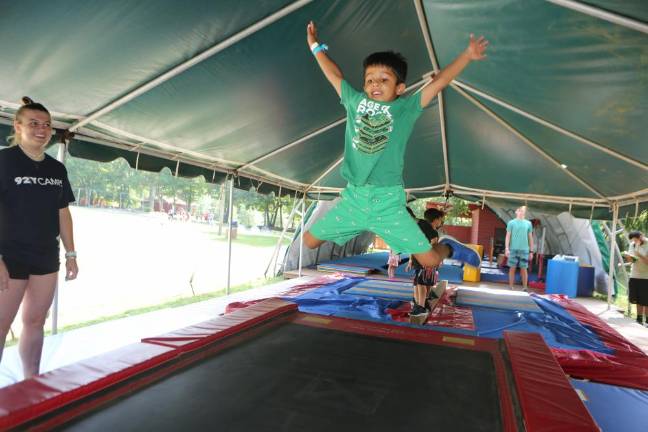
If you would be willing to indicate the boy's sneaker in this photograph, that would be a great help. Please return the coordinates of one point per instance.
(460, 251)
(418, 315)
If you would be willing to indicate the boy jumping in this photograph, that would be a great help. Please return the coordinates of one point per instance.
(379, 123)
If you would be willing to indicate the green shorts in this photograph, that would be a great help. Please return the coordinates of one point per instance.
(379, 209)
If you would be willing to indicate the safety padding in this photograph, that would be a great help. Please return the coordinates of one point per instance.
(548, 401)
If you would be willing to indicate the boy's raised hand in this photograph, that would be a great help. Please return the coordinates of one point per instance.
(477, 47)
(331, 71)
(311, 33)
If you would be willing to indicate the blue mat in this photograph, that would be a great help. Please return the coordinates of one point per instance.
(558, 327)
(378, 262)
(384, 289)
(497, 299)
(614, 408)
(337, 267)
(497, 274)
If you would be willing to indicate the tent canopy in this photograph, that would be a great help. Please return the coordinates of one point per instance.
(556, 114)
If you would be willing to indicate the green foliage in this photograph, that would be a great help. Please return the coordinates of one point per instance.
(456, 215)
(639, 223)
(116, 184)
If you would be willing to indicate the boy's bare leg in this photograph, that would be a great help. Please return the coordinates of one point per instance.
(420, 294)
(512, 276)
(525, 277)
(434, 257)
(311, 241)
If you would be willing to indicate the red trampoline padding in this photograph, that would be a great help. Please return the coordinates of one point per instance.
(28, 399)
(627, 366)
(191, 337)
(31, 398)
(547, 399)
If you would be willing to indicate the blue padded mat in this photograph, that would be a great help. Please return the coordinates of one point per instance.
(384, 289)
(378, 262)
(497, 299)
(614, 408)
(558, 327)
(496, 274)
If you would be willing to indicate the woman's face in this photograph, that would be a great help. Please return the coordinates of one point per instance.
(34, 128)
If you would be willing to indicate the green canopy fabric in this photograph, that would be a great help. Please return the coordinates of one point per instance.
(555, 115)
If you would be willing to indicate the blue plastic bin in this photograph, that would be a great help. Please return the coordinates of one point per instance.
(562, 276)
(585, 281)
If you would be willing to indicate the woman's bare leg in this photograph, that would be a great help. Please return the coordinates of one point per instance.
(37, 301)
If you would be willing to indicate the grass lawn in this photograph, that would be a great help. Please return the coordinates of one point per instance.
(182, 301)
(253, 240)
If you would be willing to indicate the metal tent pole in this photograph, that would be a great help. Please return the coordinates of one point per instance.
(283, 233)
(60, 156)
(615, 216)
(301, 233)
(229, 237)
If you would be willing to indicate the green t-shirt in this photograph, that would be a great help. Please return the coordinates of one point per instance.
(519, 229)
(376, 136)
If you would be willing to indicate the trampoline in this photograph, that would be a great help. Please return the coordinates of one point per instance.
(269, 367)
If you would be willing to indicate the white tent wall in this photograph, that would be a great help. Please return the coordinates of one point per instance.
(328, 250)
(566, 235)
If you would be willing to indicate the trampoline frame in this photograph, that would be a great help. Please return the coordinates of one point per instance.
(59, 396)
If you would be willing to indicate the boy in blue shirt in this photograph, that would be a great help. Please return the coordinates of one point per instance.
(379, 123)
(519, 242)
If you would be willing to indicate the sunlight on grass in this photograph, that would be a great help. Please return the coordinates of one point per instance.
(182, 301)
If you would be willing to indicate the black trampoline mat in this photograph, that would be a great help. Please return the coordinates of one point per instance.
(291, 377)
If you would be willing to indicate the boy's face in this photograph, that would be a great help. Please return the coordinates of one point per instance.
(437, 223)
(520, 212)
(380, 83)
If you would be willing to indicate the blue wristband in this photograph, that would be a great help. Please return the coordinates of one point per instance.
(320, 47)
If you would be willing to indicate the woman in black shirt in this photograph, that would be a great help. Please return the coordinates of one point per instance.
(34, 197)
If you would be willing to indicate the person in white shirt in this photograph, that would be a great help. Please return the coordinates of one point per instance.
(638, 286)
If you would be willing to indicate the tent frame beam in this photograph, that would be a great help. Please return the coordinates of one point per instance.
(529, 197)
(294, 143)
(550, 125)
(527, 141)
(177, 70)
(325, 173)
(425, 30)
(596, 12)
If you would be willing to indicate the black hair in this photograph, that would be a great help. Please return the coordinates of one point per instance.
(410, 211)
(393, 60)
(432, 214)
(634, 234)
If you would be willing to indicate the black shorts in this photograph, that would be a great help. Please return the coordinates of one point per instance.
(423, 276)
(638, 291)
(20, 270)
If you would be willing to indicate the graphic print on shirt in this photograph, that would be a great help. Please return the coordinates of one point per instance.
(373, 124)
(42, 181)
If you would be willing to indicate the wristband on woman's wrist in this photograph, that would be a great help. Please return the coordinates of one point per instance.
(70, 254)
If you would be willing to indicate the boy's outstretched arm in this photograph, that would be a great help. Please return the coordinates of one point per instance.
(331, 71)
(475, 51)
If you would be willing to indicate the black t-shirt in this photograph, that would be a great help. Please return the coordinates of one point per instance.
(429, 232)
(31, 194)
